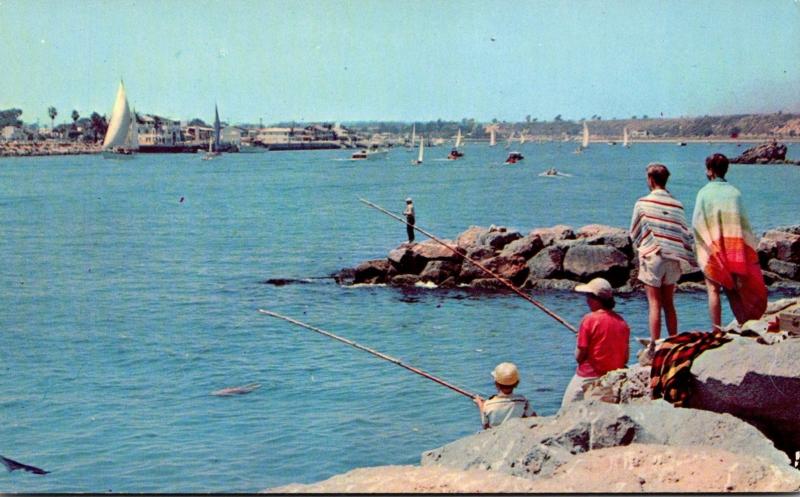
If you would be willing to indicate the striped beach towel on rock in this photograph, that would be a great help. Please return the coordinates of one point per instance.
(726, 248)
(670, 374)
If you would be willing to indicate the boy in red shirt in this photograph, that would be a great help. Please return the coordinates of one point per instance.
(603, 339)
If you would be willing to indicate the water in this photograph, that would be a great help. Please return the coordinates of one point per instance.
(124, 308)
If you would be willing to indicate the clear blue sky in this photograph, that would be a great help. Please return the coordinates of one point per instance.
(401, 60)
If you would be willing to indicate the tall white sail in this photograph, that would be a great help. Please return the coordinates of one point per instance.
(458, 138)
(625, 137)
(492, 138)
(510, 139)
(421, 150)
(585, 141)
(413, 134)
(120, 124)
(522, 137)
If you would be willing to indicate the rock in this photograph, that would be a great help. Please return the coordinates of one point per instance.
(470, 237)
(402, 258)
(536, 447)
(636, 468)
(780, 245)
(525, 247)
(344, 277)
(512, 268)
(437, 271)
(757, 383)
(554, 234)
(640, 468)
(762, 154)
(371, 272)
(789, 270)
(551, 284)
(622, 386)
(492, 284)
(404, 280)
(430, 250)
(548, 263)
(584, 262)
(498, 238)
(795, 230)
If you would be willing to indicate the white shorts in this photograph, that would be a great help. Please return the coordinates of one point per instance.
(656, 271)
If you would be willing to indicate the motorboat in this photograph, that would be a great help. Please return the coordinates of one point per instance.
(365, 154)
(514, 157)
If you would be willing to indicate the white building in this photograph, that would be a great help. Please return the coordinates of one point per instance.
(156, 130)
(13, 133)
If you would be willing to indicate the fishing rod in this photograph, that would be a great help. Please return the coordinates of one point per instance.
(477, 264)
(371, 351)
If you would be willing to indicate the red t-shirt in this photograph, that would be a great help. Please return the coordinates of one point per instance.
(605, 335)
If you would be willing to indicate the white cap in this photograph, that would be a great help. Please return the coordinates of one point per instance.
(599, 287)
(506, 374)
(408, 199)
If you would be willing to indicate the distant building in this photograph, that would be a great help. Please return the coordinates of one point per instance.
(198, 133)
(232, 135)
(156, 130)
(269, 136)
(13, 133)
(640, 133)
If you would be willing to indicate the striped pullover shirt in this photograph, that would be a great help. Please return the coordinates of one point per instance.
(659, 225)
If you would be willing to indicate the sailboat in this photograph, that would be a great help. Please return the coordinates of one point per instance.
(522, 137)
(625, 142)
(122, 137)
(492, 138)
(584, 140)
(510, 139)
(455, 153)
(413, 134)
(214, 142)
(421, 152)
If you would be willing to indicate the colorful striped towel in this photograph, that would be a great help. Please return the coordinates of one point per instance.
(670, 374)
(658, 224)
(726, 248)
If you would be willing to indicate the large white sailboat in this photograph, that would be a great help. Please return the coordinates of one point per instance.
(122, 136)
(421, 155)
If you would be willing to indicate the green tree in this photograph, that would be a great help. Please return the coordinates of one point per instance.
(98, 125)
(10, 117)
(557, 118)
(75, 117)
(52, 112)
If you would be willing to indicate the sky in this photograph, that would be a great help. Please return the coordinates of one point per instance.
(409, 60)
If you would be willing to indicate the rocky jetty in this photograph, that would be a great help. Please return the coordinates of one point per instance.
(739, 435)
(766, 153)
(557, 258)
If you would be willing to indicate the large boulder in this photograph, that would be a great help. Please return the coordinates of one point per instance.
(554, 234)
(371, 272)
(405, 261)
(755, 382)
(430, 250)
(470, 237)
(536, 447)
(470, 271)
(600, 234)
(762, 154)
(511, 268)
(785, 269)
(498, 238)
(781, 245)
(584, 262)
(437, 271)
(525, 247)
(548, 263)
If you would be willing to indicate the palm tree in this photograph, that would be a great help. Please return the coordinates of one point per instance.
(75, 117)
(52, 112)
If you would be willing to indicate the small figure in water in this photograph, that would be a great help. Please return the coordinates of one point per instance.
(505, 405)
(410, 219)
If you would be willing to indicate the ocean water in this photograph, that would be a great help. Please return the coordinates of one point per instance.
(123, 308)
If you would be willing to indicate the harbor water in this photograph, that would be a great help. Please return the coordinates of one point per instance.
(130, 292)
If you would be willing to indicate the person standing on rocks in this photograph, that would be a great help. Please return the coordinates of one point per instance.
(726, 247)
(661, 237)
(505, 405)
(603, 338)
(410, 219)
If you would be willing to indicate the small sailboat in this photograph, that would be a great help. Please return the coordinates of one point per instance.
(522, 137)
(413, 134)
(214, 142)
(122, 137)
(510, 139)
(421, 152)
(492, 138)
(584, 140)
(625, 140)
(211, 152)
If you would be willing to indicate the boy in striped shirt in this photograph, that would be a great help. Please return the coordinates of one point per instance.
(663, 241)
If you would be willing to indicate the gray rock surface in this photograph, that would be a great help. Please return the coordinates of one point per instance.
(755, 382)
(584, 262)
(548, 263)
(536, 447)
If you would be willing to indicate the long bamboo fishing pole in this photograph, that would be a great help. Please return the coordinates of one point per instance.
(477, 264)
(371, 351)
